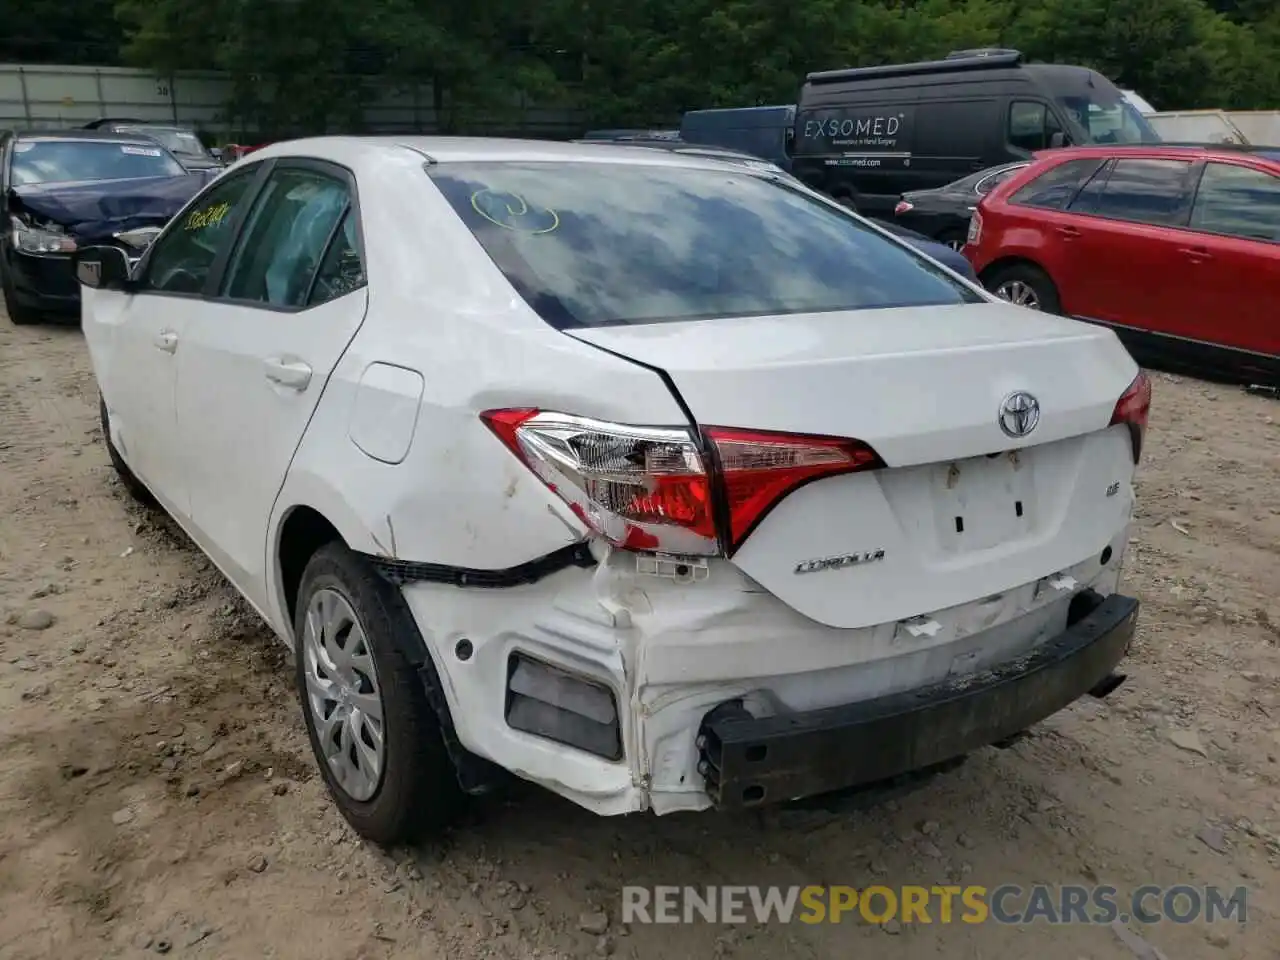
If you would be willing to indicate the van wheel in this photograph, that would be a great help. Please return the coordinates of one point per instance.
(1025, 285)
(375, 737)
(128, 479)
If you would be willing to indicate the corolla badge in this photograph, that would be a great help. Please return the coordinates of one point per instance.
(835, 563)
(1019, 414)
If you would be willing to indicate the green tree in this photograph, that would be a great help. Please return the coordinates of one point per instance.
(303, 66)
(69, 31)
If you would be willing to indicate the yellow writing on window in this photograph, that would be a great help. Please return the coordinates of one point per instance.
(208, 217)
(513, 212)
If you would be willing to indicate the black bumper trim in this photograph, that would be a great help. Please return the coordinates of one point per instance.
(400, 572)
(748, 761)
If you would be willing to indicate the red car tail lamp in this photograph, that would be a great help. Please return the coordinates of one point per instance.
(658, 488)
(1134, 408)
(760, 469)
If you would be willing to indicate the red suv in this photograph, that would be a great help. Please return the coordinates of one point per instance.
(1177, 248)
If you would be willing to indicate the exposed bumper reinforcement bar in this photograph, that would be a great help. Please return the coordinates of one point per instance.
(747, 761)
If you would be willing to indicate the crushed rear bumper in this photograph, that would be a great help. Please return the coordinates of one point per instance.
(747, 761)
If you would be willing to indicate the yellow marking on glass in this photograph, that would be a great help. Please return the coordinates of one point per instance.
(520, 208)
(209, 217)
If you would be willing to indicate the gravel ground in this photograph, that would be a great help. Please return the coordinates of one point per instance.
(157, 794)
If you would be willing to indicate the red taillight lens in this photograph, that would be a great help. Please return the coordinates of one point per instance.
(650, 488)
(902, 207)
(1133, 408)
(644, 488)
(759, 469)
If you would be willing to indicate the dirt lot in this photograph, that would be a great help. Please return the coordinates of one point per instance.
(157, 794)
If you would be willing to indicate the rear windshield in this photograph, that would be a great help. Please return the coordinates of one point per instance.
(594, 244)
(63, 161)
(181, 142)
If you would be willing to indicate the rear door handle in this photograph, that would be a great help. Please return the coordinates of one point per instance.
(294, 374)
(1069, 232)
(166, 340)
(1196, 254)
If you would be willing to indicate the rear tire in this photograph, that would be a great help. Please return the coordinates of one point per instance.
(376, 739)
(1025, 285)
(128, 479)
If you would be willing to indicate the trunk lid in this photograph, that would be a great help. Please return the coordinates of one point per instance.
(963, 510)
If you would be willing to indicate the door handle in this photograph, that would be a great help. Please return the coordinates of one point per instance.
(1196, 254)
(294, 374)
(1069, 232)
(166, 340)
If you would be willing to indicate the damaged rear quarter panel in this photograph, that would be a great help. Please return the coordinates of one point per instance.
(459, 497)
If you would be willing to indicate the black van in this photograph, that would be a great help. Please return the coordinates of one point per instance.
(866, 135)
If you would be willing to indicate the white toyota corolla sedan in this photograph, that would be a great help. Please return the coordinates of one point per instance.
(663, 483)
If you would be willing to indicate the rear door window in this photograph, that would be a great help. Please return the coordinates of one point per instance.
(1156, 192)
(1237, 202)
(593, 244)
(1055, 188)
(342, 269)
(285, 237)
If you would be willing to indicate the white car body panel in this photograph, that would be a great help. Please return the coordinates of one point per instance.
(923, 388)
(385, 443)
(139, 381)
(248, 381)
(920, 385)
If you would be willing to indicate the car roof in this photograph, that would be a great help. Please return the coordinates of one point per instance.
(146, 124)
(680, 146)
(1218, 150)
(445, 150)
(79, 133)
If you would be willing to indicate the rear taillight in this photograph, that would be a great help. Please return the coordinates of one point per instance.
(659, 488)
(1133, 408)
(904, 206)
(759, 469)
(975, 228)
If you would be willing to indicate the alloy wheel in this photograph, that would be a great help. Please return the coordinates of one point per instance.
(343, 694)
(1019, 292)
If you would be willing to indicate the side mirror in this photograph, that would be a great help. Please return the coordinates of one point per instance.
(1057, 140)
(103, 268)
(216, 153)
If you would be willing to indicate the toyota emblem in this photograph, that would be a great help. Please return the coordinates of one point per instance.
(1019, 414)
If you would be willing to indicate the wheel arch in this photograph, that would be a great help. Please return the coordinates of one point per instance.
(1004, 263)
(303, 530)
(308, 514)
